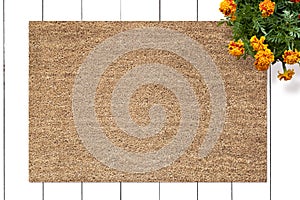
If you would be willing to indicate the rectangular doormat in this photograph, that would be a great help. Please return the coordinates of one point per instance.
(143, 102)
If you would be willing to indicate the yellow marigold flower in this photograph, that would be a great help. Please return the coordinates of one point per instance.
(228, 7)
(236, 48)
(291, 57)
(258, 44)
(263, 59)
(287, 75)
(233, 18)
(267, 8)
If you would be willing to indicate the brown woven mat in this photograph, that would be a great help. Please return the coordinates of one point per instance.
(143, 102)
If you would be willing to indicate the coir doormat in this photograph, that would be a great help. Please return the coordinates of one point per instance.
(143, 102)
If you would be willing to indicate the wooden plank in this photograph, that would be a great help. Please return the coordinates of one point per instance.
(137, 191)
(178, 10)
(140, 10)
(101, 10)
(178, 191)
(17, 15)
(250, 191)
(96, 191)
(285, 135)
(209, 10)
(62, 191)
(62, 10)
(214, 191)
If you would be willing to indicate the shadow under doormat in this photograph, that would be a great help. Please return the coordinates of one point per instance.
(143, 102)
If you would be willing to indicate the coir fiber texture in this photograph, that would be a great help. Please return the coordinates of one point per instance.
(143, 102)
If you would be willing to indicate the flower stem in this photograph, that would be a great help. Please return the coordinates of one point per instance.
(283, 66)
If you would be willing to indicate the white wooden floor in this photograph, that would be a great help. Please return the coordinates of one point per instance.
(285, 109)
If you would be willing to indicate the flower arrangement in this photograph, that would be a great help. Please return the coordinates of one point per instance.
(267, 30)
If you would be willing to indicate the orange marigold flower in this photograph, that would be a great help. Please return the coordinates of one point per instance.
(267, 8)
(287, 75)
(295, 1)
(258, 44)
(233, 18)
(291, 57)
(228, 7)
(236, 48)
(263, 59)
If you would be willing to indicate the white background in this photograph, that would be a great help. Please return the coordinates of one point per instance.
(285, 108)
